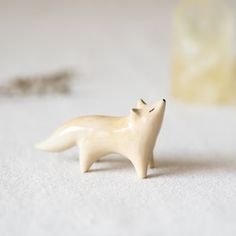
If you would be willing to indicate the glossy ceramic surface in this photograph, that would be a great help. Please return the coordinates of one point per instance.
(132, 136)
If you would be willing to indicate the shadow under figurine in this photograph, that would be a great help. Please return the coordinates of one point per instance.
(133, 136)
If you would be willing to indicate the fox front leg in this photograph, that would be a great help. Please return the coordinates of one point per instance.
(140, 165)
(151, 162)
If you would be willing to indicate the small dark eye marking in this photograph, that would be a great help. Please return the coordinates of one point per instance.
(143, 102)
(152, 109)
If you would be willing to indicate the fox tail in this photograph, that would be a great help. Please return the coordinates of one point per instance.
(57, 143)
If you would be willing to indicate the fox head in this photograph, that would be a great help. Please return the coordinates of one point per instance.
(147, 118)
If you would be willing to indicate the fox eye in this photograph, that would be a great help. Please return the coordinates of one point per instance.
(152, 109)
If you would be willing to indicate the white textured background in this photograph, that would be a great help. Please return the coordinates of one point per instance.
(121, 51)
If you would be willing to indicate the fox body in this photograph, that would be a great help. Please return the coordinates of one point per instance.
(132, 136)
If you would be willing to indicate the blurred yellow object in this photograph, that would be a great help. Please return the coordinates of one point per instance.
(203, 57)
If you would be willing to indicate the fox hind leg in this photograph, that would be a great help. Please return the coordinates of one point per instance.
(88, 155)
(87, 158)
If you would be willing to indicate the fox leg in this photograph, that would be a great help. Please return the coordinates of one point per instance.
(151, 162)
(87, 158)
(140, 165)
(88, 155)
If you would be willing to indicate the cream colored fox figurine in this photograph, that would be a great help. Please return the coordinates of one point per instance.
(132, 136)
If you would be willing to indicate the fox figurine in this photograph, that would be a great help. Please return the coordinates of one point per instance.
(132, 136)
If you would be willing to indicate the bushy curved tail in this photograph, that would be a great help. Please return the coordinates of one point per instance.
(56, 143)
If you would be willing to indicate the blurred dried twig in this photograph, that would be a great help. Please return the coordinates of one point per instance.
(54, 83)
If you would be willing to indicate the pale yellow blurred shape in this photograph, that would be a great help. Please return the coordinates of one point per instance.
(203, 68)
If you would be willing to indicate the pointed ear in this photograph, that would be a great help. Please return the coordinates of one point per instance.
(141, 103)
(135, 112)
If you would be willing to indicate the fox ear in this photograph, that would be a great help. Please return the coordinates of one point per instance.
(141, 103)
(136, 112)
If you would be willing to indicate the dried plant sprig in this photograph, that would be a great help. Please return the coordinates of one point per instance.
(54, 83)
